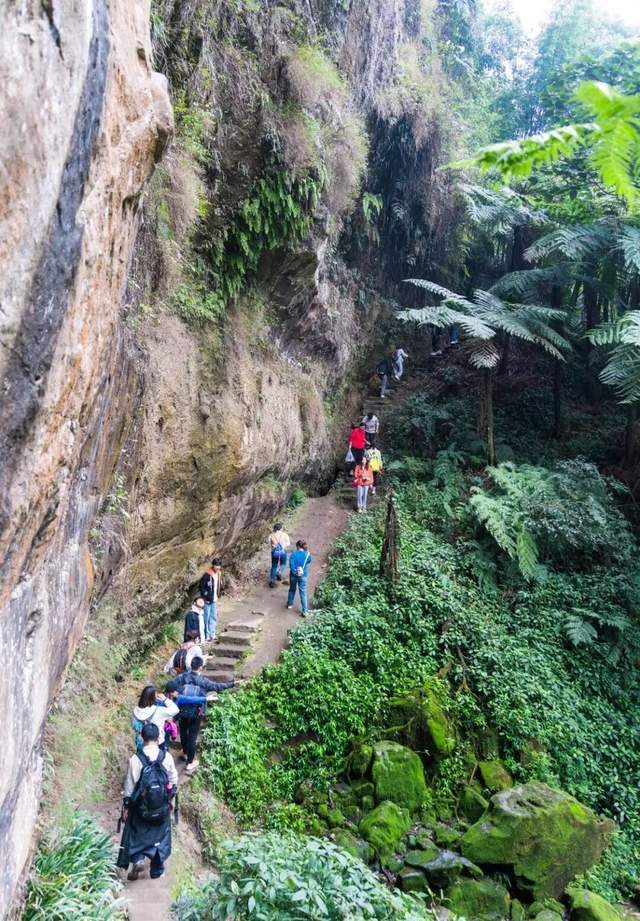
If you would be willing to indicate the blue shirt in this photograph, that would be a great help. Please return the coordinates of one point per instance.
(299, 558)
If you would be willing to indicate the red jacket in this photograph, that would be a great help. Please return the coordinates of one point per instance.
(357, 438)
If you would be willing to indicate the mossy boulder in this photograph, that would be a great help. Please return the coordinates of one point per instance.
(352, 845)
(398, 776)
(538, 907)
(446, 836)
(518, 912)
(472, 803)
(446, 867)
(588, 906)
(362, 788)
(495, 776)
(547, 915)
(478, 898)
(417, 720)
(546, 836)
(335, 817)
(352, 813)
(360, 760)
(412, 880)
(384, 828)
(418, 858)
(315, 827)
(368, 803)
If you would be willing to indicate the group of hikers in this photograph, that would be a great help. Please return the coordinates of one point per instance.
(174, 717)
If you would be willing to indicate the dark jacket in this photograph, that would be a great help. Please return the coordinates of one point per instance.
(193, 684)
(206, 587)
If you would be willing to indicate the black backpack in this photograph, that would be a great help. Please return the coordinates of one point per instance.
(180, 660)
(151, 796)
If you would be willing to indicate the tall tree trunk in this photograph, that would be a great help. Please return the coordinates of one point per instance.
(504, 360)
(591, 305)
(557, 399)
(630, 435)
(486, 427)
(390, 554)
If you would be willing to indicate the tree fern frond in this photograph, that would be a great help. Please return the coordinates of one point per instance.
(483, 353)
(579, 632)
(527, 553)
(489, 513)
(629, 243)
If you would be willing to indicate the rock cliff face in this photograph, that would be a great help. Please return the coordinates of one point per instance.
(175, 356)
(84, 118)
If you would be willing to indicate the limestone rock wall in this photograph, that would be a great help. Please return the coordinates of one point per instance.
(83, 118)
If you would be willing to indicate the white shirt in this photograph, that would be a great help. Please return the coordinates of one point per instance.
(371, 425)
(157, 715)
(135, 768)
(194, 651)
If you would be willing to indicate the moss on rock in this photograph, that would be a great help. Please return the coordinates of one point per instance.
(412, 880)
(418, 720)
(478, 898)
(385, 827)
(352, 845)
(545, 835)
(588, 906)
(360, 760)
(472, 803)
(495, 776)
(398, 776)
(418, 858)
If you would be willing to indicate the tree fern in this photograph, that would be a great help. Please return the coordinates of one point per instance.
(579, 632)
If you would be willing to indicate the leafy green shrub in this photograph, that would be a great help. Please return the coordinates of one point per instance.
(292, 878)
(297, 496)
(73, 877)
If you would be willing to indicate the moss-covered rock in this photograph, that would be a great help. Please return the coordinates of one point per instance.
(535, 908)
(588, 906)
(398, 776)
(446, 867)
(360, 760)
(495, 776)
(446, 836)
(352, 813)
(417, 720)
(545, 835)
(472, 803)
(518, 912)
(478, 898)
(335, 817)
(315, 827)
(385, 827)
(412, 880)
(547, 915)
(352, 845)
(362, 788)
(368, 802)
(418, 858)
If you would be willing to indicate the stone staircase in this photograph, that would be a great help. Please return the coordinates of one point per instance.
(232, 646)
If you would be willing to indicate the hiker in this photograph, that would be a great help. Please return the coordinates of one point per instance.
(279, 542)
(149, 795)
(191, 684)
(298, 573)
(374, 457)
(398, 362)
(210, 590)
(453, 335)
(153, 707)
(182, 658)
(357, 442)
(363, 481)
(371, 425)
(384, 371)
(194, 621)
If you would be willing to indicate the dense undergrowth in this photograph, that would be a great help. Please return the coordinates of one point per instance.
(73, 877)
(539, 667)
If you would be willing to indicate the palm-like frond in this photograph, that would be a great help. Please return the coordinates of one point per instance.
(622, 370)
(483, 353)
(528, 283)
(579, 242)
(629, 243)
(499, 212)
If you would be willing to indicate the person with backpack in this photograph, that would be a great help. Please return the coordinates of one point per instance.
(149, 796)
(181, 659)
(279, 542)
(371, 425)
(190, 685)
(374, 457)
(384, 372)
(194, 621)
(209, 592)
(298, 574)
(153, 707)
(363, 481)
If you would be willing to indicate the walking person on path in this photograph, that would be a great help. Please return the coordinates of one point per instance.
(298, 574)
(398, 362)
(182, 658)
(279, 541)
(192, 684)
(371, 425)
(363, 481)
(148, 799)
(210, 590)
(384, 371)
(153, 707)
(374, 457)
(194, 621)
(357, 443)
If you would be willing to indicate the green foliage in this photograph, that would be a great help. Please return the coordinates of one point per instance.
(190, 121)
(612, 137)
(275, 215)
(297, 497)
(565, 516)
(73, 877)
(292, 878)
(622, 368)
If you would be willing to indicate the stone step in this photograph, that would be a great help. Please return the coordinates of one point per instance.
(220, 675)
(236, 638)
(245, 626)
(218, 662)
(228, 651)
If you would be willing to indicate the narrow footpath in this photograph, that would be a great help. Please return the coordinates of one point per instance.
(253, 629)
